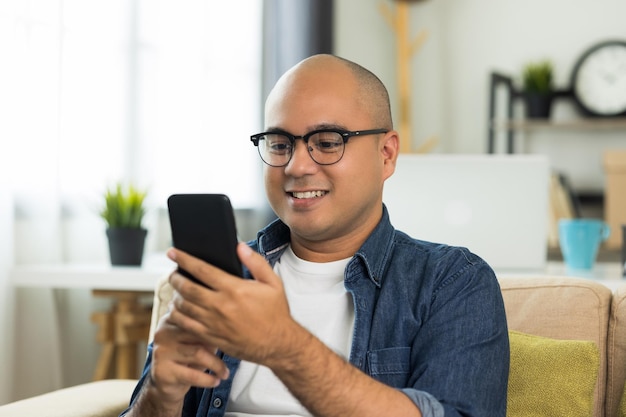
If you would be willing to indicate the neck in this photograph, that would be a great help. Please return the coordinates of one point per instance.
(324, 249)
(322, 252)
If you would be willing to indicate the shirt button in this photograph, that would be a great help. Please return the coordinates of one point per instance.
(217, 402)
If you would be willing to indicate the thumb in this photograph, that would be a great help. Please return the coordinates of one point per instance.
(257, 265)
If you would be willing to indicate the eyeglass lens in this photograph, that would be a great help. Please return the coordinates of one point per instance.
(324, 147)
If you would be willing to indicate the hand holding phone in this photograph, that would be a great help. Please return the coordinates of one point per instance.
(203, 225)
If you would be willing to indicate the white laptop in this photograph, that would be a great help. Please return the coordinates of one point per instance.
(495, 205)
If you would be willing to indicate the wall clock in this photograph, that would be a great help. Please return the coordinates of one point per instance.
(599, 80)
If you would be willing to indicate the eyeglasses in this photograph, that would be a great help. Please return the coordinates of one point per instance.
(326, 146)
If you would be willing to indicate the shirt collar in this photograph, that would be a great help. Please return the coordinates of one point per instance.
(373, 254)
(376, 249)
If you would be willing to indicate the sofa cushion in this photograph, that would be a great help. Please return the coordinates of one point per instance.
(561, 308)
(106, 398)
(551, 377)
(616, 353)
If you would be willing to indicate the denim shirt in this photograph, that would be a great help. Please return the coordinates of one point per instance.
(429, 321)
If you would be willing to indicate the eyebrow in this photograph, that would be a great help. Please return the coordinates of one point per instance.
(276, 130)
(321, 126)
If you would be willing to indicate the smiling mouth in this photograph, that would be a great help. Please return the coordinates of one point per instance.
(308, 194)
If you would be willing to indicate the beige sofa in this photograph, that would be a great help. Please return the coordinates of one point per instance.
(552, 307)
(579, 309)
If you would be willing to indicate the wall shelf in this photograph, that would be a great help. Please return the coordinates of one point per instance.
(581, 124)
(511, 125)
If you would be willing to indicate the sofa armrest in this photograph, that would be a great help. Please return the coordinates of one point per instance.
(106, 398)
(163, 293)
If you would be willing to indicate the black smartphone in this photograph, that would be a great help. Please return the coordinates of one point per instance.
(203, 225)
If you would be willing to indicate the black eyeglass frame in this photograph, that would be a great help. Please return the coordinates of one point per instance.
(345, 135)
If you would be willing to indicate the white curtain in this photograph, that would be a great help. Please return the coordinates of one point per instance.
(161, 93)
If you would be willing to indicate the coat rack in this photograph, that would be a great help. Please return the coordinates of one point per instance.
(398, 20)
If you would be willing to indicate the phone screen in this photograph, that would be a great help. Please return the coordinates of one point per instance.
(203, 225)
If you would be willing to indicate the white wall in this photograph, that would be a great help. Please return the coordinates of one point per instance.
(6, 295)
(467, 40)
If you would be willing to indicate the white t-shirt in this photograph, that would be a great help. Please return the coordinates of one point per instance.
(318, 301)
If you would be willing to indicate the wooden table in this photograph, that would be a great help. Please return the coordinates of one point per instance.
(120, 331)
(122, 328)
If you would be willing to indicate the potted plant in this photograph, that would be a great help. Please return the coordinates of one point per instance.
(538, 89)
(123, 213)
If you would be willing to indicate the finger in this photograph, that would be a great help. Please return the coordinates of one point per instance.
(192, 315)
(201, 358)
(171, 345)
(201, 378)
(188, 317)
(164, 375)
(208, 274)
(188, 289)
(257, 265)
(196, 320)
(189, 352)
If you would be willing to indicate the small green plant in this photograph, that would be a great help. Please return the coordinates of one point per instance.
(537, 77)
(123, 207)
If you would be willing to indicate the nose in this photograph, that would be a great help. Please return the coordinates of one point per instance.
(301, 162)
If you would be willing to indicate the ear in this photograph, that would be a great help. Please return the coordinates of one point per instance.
(390, 147)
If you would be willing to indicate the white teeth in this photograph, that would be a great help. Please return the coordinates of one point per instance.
(308, 194)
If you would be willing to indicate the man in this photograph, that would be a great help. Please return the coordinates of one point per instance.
(344, 315)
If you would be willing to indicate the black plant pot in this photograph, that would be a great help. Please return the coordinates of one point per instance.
(126, 246)
(538, 106)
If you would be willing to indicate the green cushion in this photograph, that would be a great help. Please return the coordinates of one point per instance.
(550, 377)
(621, 412)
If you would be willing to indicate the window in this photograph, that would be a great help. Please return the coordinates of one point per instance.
(164, 93)
(199, 72)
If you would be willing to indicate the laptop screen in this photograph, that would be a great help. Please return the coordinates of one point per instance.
(495, 205)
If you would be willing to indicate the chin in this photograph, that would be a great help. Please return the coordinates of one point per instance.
(307, 229)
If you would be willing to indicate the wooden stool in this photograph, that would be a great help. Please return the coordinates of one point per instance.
(120, 332)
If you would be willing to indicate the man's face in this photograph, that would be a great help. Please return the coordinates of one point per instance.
(332, 202)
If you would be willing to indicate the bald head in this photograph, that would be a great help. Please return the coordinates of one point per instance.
(370, 93)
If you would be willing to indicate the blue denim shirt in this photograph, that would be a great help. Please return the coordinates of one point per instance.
(429, 320)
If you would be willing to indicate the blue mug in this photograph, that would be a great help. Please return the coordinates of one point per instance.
(580, 240)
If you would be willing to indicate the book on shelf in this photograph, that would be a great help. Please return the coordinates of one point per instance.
(563, 205)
